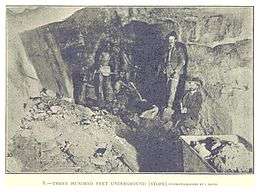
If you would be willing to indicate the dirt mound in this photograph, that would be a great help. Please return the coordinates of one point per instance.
(58, 136)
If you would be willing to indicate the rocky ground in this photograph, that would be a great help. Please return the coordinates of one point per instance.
(56, 135)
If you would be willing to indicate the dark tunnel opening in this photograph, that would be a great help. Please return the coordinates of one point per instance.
(147, 54)
(146, 49)
(155, 151)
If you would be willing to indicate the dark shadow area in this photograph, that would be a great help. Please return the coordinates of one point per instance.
(157, 150)
(148, 52)
(73, 49)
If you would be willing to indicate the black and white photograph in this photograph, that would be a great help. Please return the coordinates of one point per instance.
(126, 89)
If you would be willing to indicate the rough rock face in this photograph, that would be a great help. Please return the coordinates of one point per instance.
(227, 74)
(44, 51)
(22, 79)
(194, 25)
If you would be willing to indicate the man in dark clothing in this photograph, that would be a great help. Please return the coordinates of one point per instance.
(87, 94)
(192, 100)
(190, 108)
(175, 67)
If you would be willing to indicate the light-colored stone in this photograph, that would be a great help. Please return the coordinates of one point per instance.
(101, 161)
(26, 133)
(151, 113)
(55, 109)
(13, 165)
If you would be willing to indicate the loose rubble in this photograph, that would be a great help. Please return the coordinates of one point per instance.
(225, 156)
(58, 136)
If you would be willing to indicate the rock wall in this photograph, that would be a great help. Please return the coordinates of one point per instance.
(227, 73)
(22, 81)
(43, 52)
(22, 77)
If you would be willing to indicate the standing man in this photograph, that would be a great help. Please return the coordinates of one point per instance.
(175, 67)
(103, 79)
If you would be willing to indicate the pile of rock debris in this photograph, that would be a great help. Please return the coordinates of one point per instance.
(56, 135)
(225, 155)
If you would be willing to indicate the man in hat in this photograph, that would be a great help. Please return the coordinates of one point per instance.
(175, 67)
(191, 102)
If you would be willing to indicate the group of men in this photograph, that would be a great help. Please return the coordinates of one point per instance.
(113, 79)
